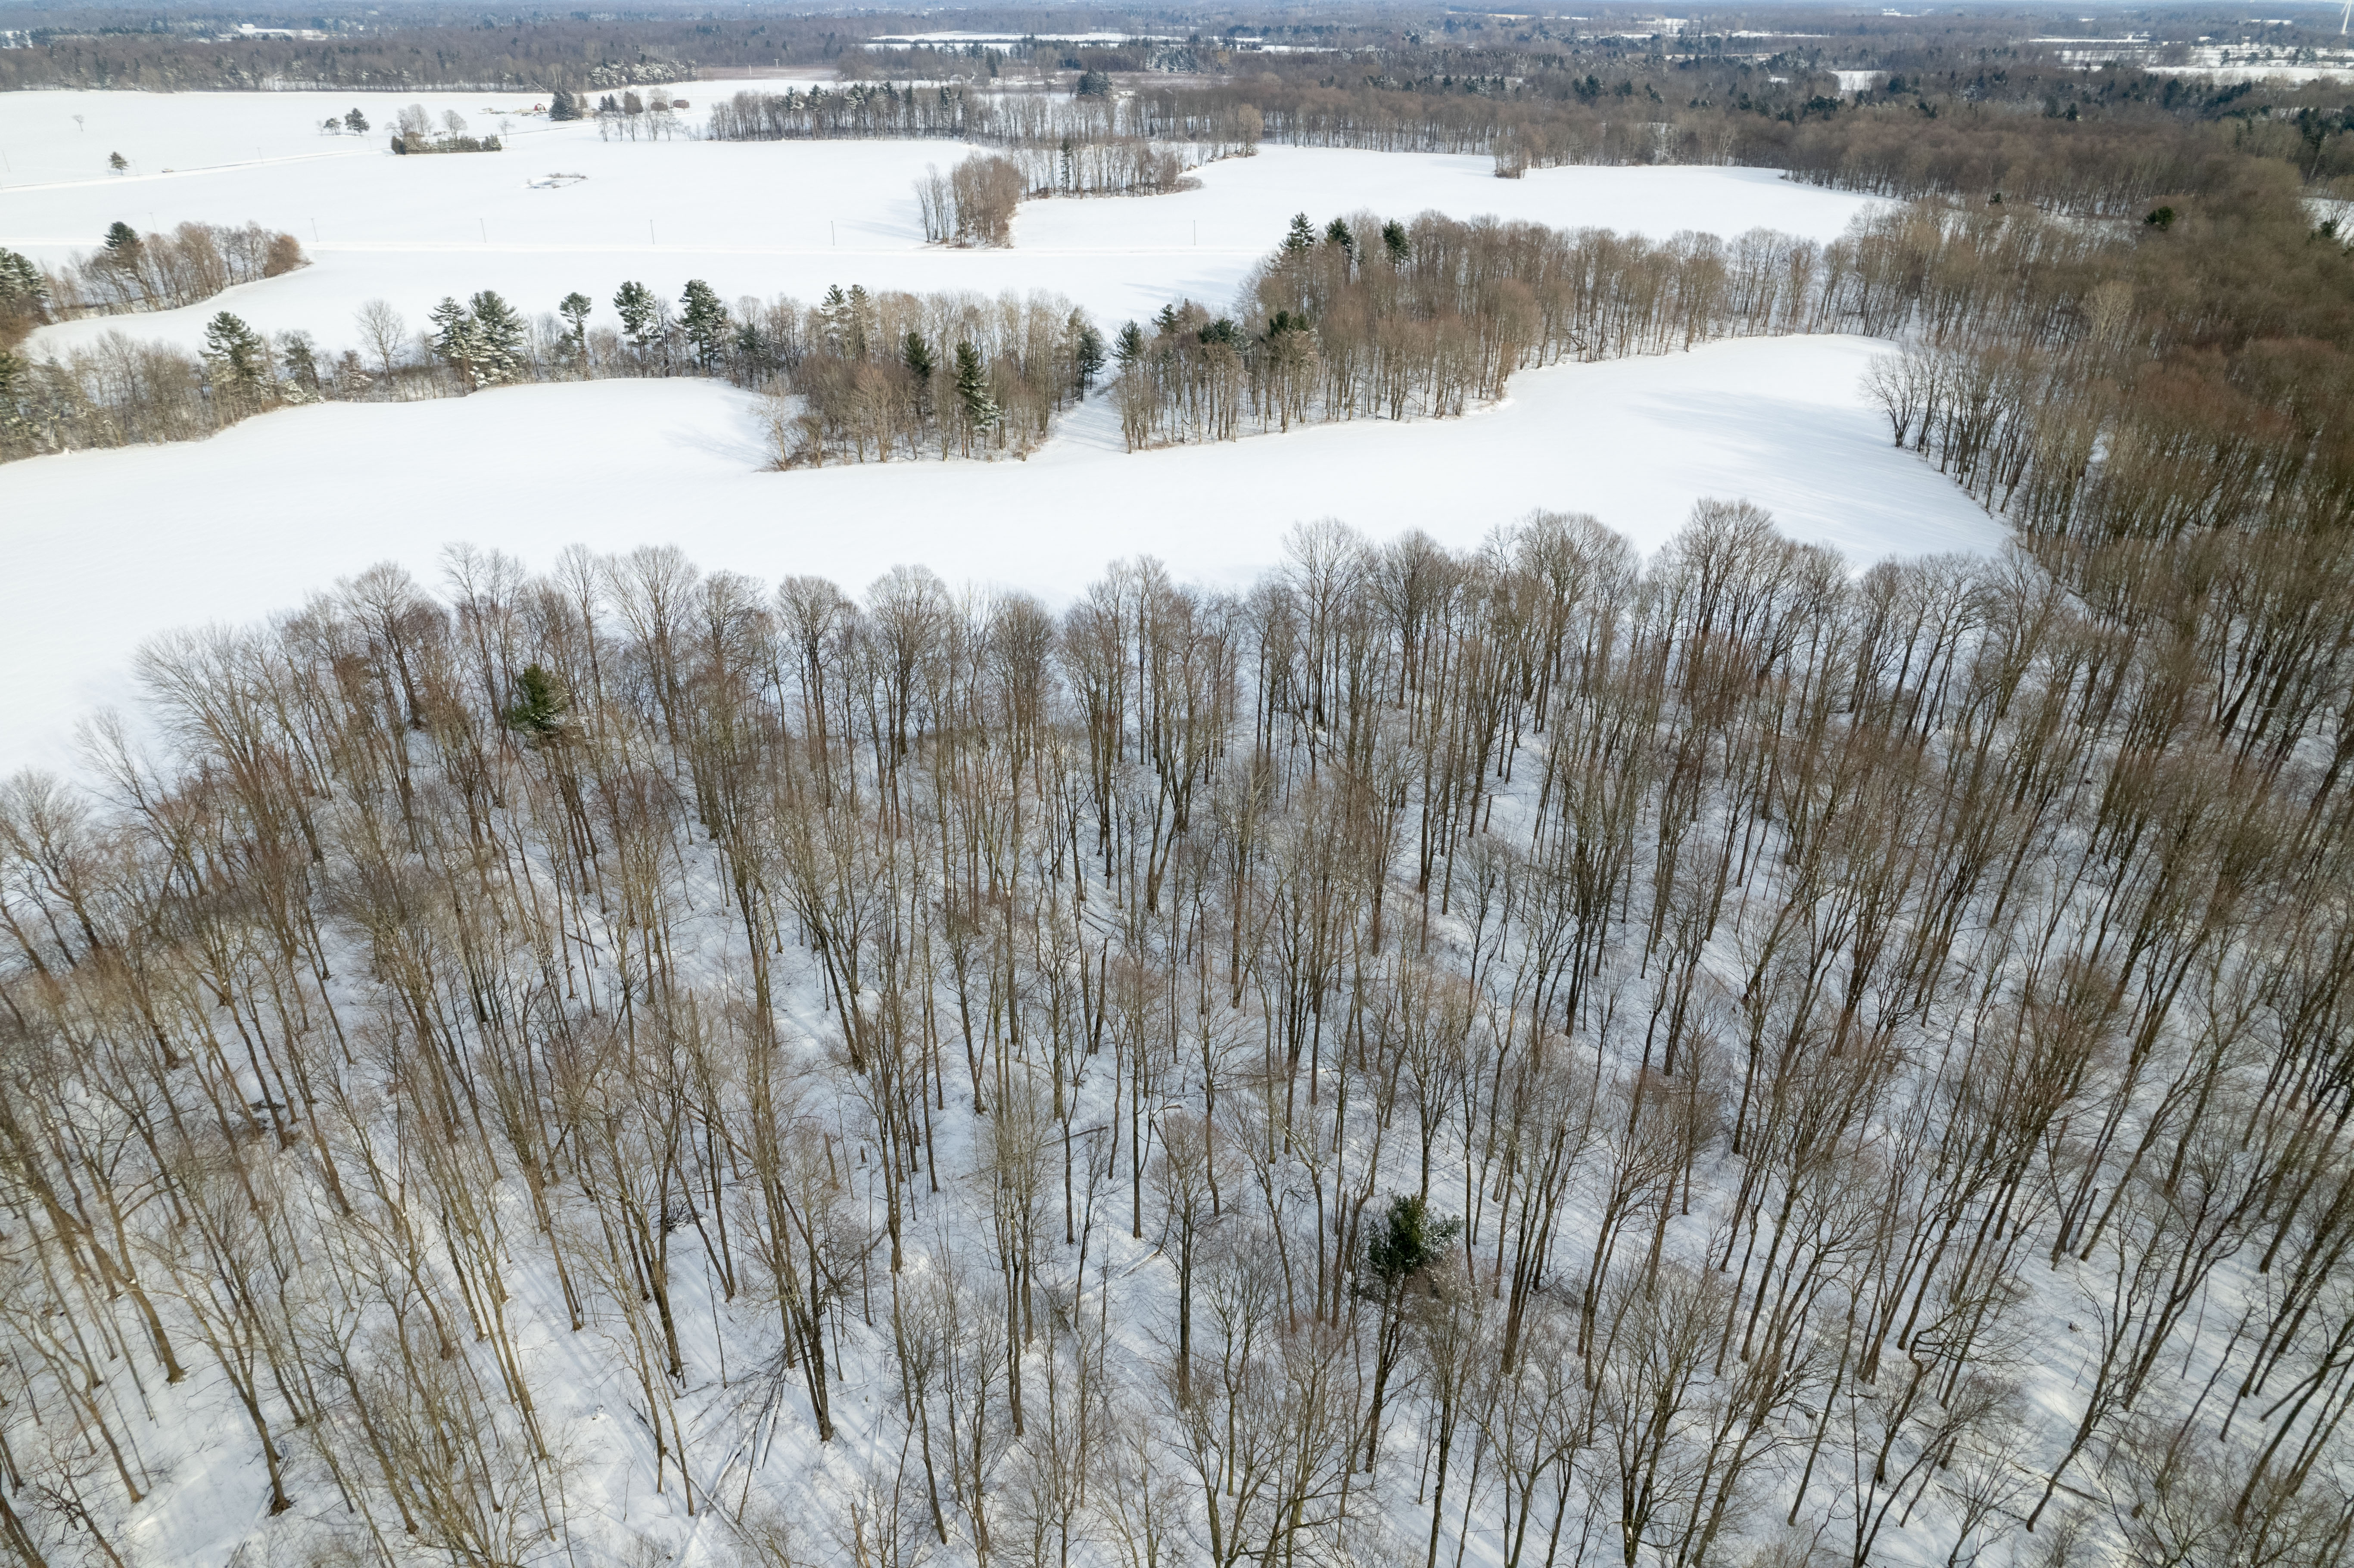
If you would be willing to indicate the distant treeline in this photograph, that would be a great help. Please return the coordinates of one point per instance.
(544, 54)
(1893, 147)
(2040, 133)
(1084, 146)
(1033, 121)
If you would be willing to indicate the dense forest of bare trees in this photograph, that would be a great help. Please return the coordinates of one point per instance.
(1608, 1060)
(1524, 1056)
(1374, 318)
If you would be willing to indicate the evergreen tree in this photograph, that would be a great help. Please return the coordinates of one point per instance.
(861, 311)
(1409, 1243)
(1301, 238)
(498, 339)
(453, 337)
(299, 357)
(235, 352)
(1087, 351)
(23, 290)
(1394, 242)
(833, 318)
(355, 123)
(981, 410)
(1337, 233)
(916, 355)
(1397, 1254)
(574, 307)
(755, 356)
(117, 162)
(706, 320)
(639, 314)
(539, 705)
(563, 107)
(121, 242)
(14, 372)
(1129, 347)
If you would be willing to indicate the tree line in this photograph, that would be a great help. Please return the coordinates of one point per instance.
(1374, 318)
(855, 376)
(1087, 146)
(131, 271)
(1614, 1059)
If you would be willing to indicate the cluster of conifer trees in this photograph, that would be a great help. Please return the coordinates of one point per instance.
(879, 376)
(854, 376)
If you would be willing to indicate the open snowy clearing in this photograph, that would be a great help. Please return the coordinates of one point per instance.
(248, 523)
(758, 218)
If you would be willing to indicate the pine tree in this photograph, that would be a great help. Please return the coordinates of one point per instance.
(916, 355)
(1394, 242)
(498, 339)
(539, 705)
(117, 162)
(13, 371)
(1301, 238)
(23, 290)
(980, 410)
(833, 317)
(1129, 347)
(706, 320)
(563, 107)
(1087, 351)
(755, 356)
(453, 337)
(574, 307)
(635, 303)
(121, 242)
(298, 356)
(1337, 233)
(355, 123)
(861, 311)
(235, 354)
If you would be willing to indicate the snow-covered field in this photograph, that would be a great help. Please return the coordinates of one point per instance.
(758, 218)
(248, 523)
